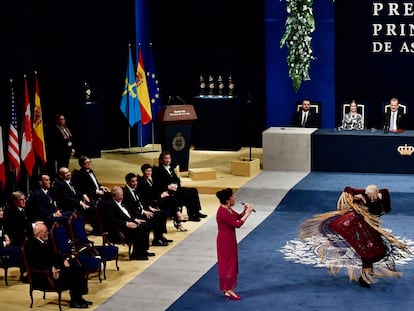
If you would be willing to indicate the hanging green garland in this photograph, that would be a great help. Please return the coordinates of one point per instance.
(300, 25)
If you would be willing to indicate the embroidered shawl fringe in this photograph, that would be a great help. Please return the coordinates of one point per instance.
(316, 226)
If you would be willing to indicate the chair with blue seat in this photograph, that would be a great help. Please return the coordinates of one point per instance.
(7, 262)
(80, 240)
(85, 256)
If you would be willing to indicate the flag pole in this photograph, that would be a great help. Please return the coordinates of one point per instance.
(129, 139)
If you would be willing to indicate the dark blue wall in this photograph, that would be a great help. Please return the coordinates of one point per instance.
(280, 97)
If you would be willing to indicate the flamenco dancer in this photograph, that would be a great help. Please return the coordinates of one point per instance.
(354, 238)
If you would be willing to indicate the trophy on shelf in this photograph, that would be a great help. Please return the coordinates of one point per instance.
(88, 92)
(231, 86)
(202, 86)
(220, 86)
(210, 85)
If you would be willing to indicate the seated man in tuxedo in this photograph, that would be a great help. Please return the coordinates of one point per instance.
(165, 179)
(306, 117)
(65, 272)
(85, 181)
(394, 119)
(117, 218)
(137, 207)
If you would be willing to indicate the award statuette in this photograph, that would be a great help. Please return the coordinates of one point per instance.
(88, 92)
(210, 85)
(231, 86)
(202, 86)
(220, 86)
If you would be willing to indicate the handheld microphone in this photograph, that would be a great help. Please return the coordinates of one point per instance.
(243, 203)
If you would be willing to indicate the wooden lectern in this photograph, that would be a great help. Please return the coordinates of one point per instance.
(177, 121)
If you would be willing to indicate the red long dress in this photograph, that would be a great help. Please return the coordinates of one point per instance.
(227, 254)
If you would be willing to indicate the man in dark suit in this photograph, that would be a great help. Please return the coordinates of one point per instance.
(136, 206)
(117, 218)
(394, 119)
(85, 180)
(65, 272)
(166, 180)
(42, 206)
(61, 147)
(306, 117)
(17, 221)
(66, 195)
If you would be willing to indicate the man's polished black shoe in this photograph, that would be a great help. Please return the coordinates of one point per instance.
(202, 215)
(150, 254)
(194, 219)
(167, 240)
(78, 304)
(89, 303)
(159, 243)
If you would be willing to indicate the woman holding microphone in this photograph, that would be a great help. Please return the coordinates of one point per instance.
(227, 254)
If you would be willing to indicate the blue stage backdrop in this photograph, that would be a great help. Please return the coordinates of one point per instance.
(374, 54)
(280, 97)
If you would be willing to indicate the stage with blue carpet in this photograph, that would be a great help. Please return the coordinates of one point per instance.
(268, 280)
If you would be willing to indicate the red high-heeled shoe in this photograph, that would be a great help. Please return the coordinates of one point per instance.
(230, 296)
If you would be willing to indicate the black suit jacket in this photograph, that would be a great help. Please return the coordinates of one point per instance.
(401, 120)
(134, 207)
(313, 119)
(148, 192)
(42, 256)
(162, 178)
(17, 224)
(66, 199)
(83, 183)
(114, 218)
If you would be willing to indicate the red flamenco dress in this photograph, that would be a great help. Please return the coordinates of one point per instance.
(353, 238)
(227, 253)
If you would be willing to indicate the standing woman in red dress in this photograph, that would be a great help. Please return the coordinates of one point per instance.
(227, 255)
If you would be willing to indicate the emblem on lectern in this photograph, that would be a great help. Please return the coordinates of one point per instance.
(405, 150)
(178, 142)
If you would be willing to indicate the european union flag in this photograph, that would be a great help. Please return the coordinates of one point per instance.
(153, 87)
(130, 103)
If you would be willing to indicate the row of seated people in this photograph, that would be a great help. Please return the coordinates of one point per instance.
(140, 206)
(47, 266)
(353, 116)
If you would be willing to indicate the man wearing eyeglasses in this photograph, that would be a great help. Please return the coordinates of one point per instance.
(17, 222)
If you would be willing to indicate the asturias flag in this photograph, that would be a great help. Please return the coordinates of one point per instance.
(27, 153)
(143, 94)
(38, 134)
(129, 103)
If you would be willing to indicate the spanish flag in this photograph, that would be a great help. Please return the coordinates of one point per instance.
(143, 94)
(38, 134)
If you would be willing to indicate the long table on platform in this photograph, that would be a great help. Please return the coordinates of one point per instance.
(362, 151)
(329, 150)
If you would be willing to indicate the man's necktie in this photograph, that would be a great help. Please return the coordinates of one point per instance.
(393, 121)
(305, 117)
(71, 187)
